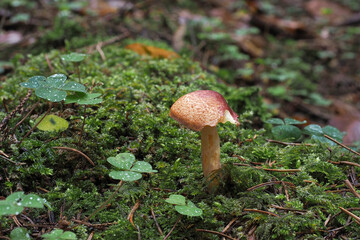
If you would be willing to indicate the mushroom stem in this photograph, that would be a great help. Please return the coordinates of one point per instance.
(210, 151)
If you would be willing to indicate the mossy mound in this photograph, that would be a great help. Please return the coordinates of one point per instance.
(137, 93)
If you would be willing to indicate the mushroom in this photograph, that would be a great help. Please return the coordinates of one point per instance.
(201, 111)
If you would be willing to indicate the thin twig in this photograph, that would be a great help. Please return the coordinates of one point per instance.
(156, 222)
(356, 218)
(172, 229)
(22, 120)
(260, 211)
(32, 129)
(281, 170)
(217, 233)
(100, 51)
(49, 63)
(268, 169)
(132, 212)
(77, 151)
(351, 188)
(228, 226)
(94, 225)
(91, 235)
(345, 162)
(339, 143)
(289, 209)
(17, 109)
(289, 144)
(82, 126)
(13, 162)
(286, 191)
(270, 183)
(106, 202)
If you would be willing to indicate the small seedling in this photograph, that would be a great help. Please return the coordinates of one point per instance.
(15, 203)
(53, 88)
(184, 207)
(75, 58)
(286, 131)
(128, 170)
(83, 99)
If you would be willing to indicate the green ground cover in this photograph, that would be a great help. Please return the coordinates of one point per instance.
(133, 117)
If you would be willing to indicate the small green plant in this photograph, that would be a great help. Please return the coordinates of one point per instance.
(20, 233)
(286, 131)
(15, 203)
(59, 234)
(53, 88)
(183, 206)
(83, 98)
(75, 58)
(318, 133)
(127, 170)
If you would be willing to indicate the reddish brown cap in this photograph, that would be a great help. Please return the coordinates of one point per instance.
(202, 108)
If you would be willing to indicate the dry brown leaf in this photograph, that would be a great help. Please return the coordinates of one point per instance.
(324, 9)
(154, 52)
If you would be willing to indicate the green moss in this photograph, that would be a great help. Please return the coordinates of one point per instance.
(134, 117)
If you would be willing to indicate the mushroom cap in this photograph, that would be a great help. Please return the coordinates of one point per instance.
(202, 108)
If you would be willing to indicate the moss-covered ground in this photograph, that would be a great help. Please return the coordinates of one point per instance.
(137, 94)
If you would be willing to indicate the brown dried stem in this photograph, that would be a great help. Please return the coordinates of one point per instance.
(32, 129)
(77, 151)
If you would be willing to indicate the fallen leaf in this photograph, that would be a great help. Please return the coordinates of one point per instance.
(154, 52)
(333, 12)
(52, 123)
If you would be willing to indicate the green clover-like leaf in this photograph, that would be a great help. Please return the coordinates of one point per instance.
(32, 200)
(20, 233)
(286, 133)
(314, 129)
(290, 121)
(275, 121)
(142, 167)
(34, 82)
(73, 57)
(16, 202)
(122, 161)
(59, 234)
(334, 133)
(176, 199)
(53, 88)
(83, 98)
(127, 176)
(189, 210)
